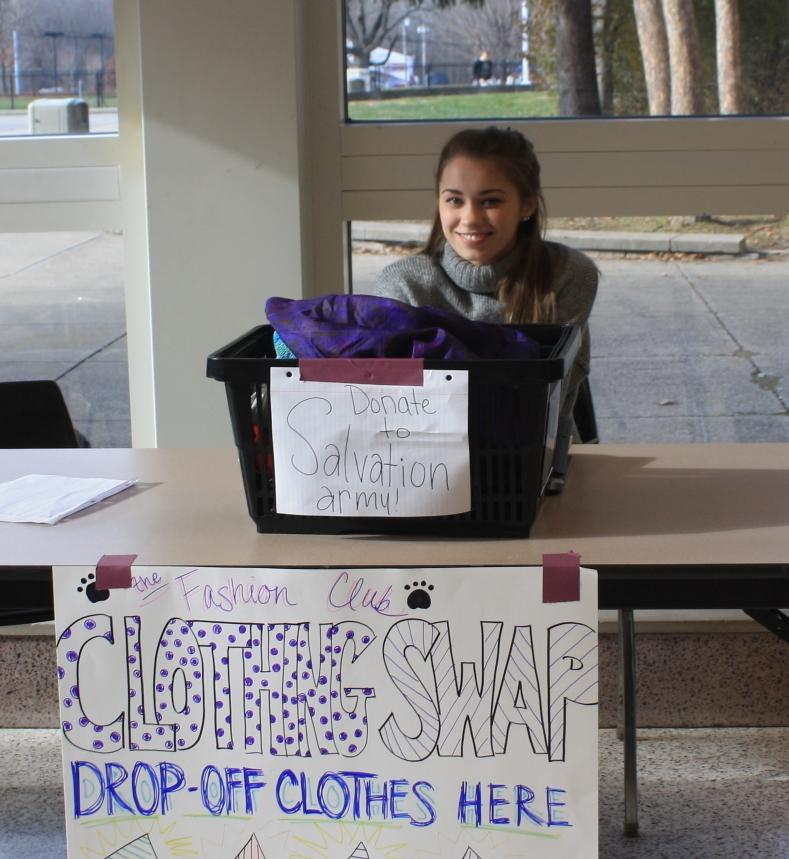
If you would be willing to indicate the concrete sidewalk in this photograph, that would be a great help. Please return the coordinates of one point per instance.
(62, 317)
(681, 351)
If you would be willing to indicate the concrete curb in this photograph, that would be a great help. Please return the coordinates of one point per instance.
(587, 240)
(386, 231)
(703, 243)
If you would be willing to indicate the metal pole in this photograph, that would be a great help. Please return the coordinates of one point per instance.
(54, 36)
(100, 73)
(525, 71)
(17, 89)
(423, 32)
(406, 22)
(627, 655)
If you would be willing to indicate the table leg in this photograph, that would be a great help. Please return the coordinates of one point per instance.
(773, 619)
(627, 655)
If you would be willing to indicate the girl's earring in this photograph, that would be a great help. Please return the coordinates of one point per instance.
(527, 218)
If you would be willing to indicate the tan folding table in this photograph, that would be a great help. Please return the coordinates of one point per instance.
(665, 526)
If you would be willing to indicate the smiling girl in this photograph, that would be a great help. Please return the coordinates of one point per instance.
(485, 257)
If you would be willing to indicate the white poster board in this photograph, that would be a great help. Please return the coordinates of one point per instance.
(343, 449)
(243, 713)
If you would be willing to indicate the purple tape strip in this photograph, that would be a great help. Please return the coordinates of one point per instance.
(561, 577)
(363, 371)
(114, 571)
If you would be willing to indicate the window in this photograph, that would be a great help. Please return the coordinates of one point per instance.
(676, 353)
(61, 291)
(433, 60)
(63, 319)
(680, 351)
(57, 67)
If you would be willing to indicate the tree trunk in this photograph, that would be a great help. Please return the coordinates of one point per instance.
(577, 74)
(727, 44)
(604, 27)
(654, 54)
(684, 56)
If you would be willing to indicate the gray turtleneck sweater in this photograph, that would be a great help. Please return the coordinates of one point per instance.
(452, 283)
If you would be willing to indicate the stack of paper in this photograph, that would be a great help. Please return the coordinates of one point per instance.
(48, 498)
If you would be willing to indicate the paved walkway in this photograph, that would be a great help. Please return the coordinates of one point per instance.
(62, 317)
(681, 351)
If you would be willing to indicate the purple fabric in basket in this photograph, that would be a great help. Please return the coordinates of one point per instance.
(365, 326)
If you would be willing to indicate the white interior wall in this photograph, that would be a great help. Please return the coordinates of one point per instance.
(211, 193)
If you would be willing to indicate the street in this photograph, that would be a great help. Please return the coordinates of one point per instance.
(102, 121)
(682, 351)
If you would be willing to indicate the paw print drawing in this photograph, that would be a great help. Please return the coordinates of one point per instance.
(418, 596)
(89, 587)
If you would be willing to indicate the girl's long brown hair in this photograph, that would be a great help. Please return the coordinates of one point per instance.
(525, 287)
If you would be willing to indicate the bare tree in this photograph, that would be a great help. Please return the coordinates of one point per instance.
(602, 26)
(376, 23)
(495, 27)
(542, 43)
(654, 54)
(6, 46)
(609, 17)
(71, 16)
(371, 24)
(727, 45)
(575, 59)
(684, 56)
(77, 34)
(14, 16)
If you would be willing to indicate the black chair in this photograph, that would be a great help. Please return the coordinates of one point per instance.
(586, 432)
(584, 416)
(32, 415)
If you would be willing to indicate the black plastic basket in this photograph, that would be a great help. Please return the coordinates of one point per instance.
(512, 427)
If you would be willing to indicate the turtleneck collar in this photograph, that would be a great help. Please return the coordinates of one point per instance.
(473, 278)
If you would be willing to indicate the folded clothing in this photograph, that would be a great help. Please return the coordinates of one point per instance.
(281, 348)
(367, 326)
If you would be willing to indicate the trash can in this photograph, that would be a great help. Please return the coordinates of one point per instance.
(58, 116)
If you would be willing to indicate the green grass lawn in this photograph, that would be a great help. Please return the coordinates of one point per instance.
(481, 105)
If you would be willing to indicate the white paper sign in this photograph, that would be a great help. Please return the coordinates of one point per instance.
(343, 449)
(338, 713)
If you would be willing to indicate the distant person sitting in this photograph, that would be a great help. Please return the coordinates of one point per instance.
(483, 70)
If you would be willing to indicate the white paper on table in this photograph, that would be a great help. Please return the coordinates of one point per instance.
(343, 449)
(48, 498)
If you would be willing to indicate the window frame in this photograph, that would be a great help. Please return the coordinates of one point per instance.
(591, 166)
(65, 183)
